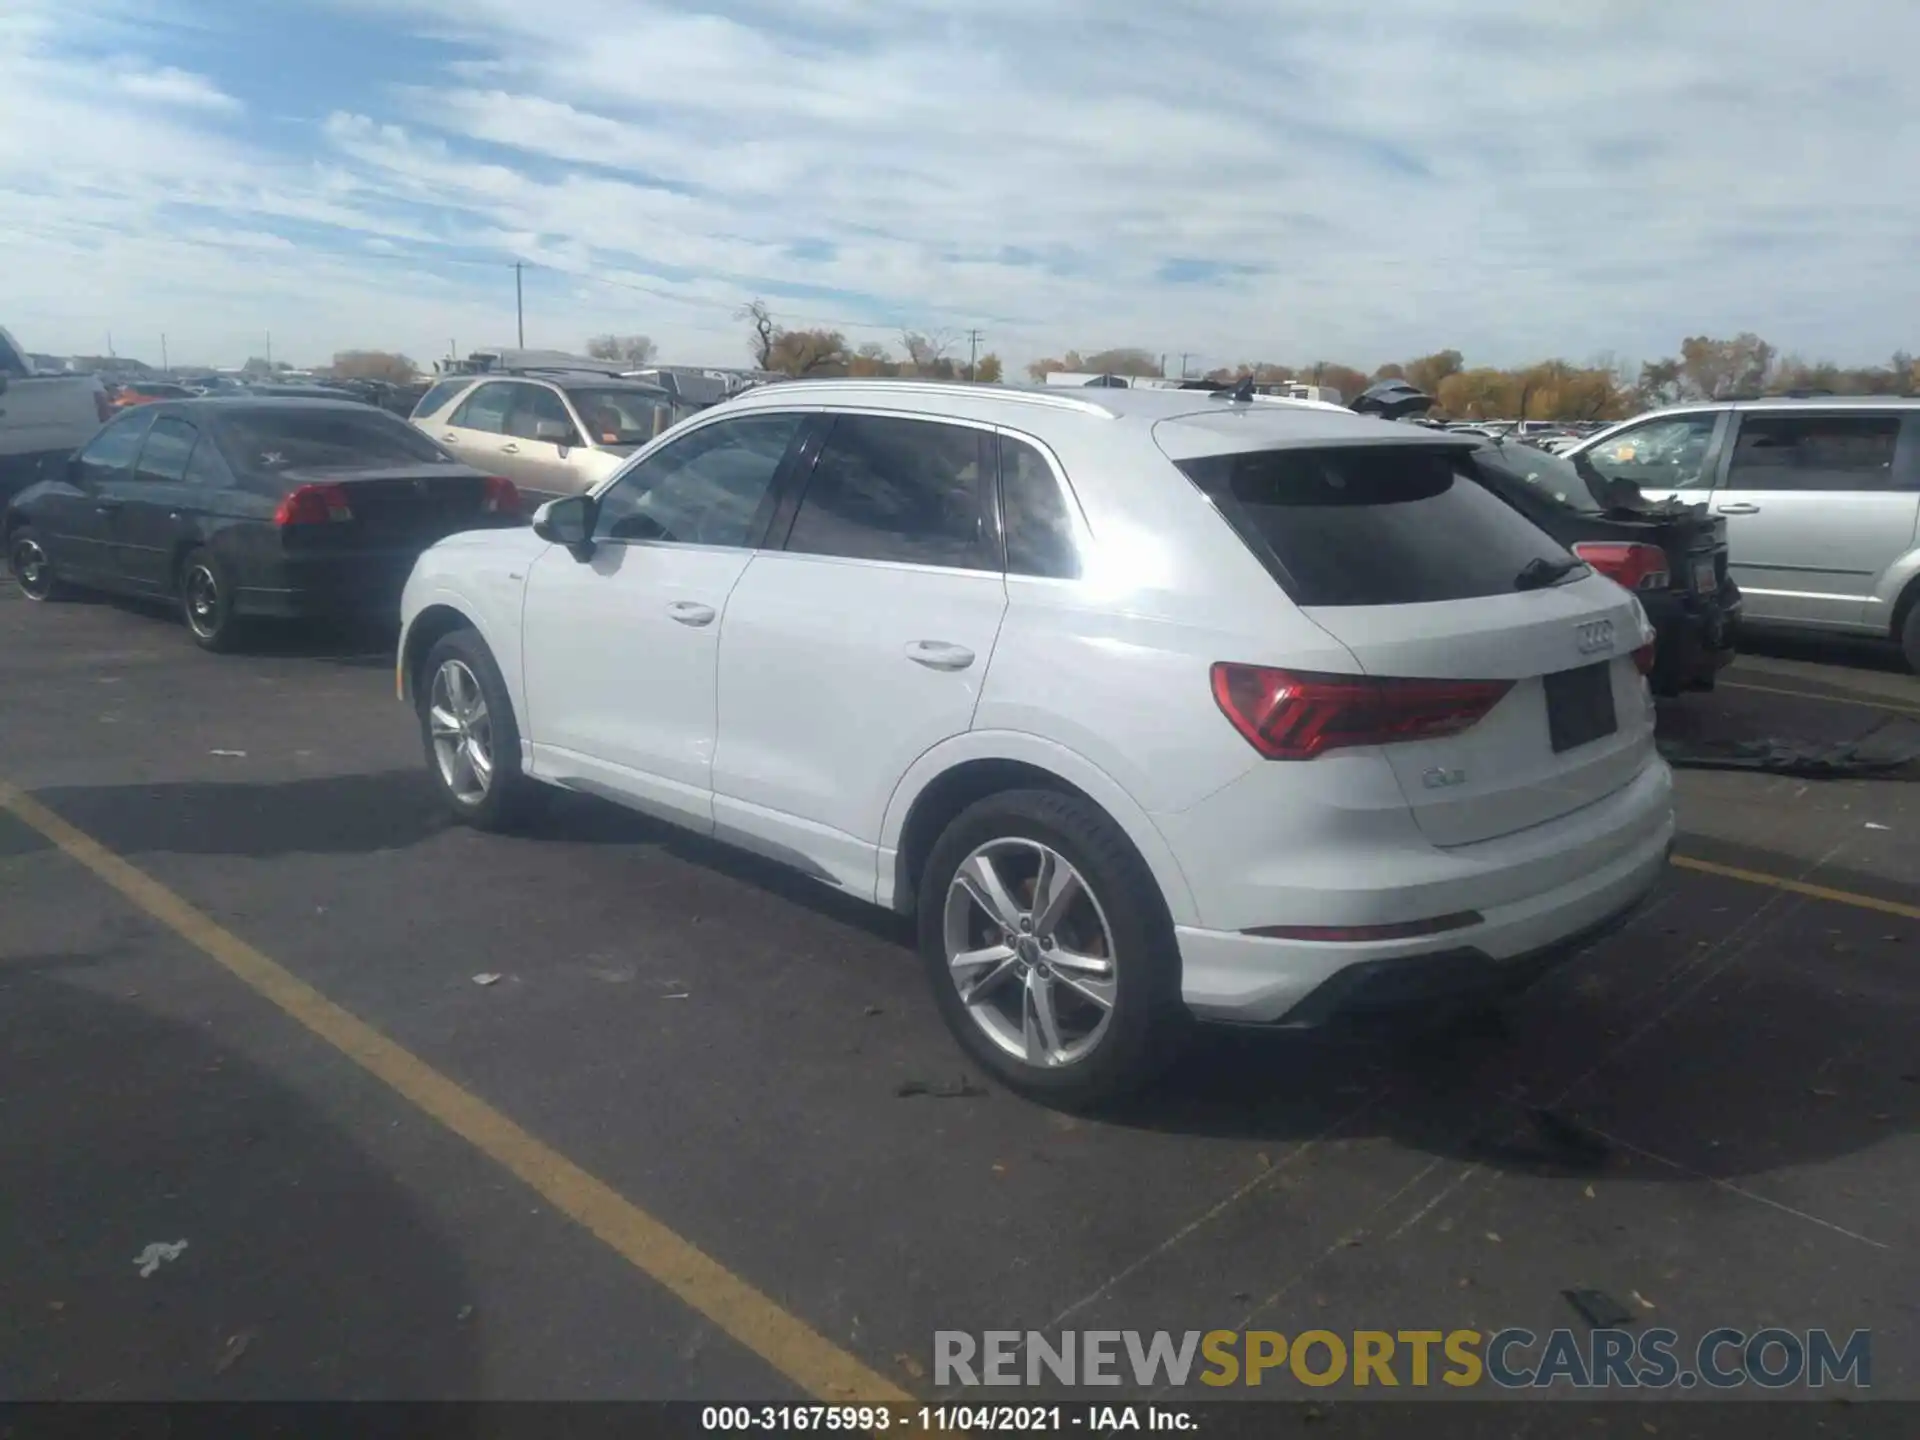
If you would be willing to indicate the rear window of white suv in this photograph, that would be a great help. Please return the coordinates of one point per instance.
(1379, 525)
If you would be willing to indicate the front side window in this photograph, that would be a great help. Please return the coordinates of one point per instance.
(1668, 454)
(535, 406)
(1384, 525)
(1814, 452)
(707, 488)
(439, 395)
(896, 489)
(487, 408)
(111, 452)
(163, 459)
(1034, 515)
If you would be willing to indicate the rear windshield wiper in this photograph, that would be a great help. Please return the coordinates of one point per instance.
(1540, 572)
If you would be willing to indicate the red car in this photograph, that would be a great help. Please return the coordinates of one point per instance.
(145, 392)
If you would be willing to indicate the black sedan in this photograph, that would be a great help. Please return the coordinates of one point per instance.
(1672, 556)
(241, 508)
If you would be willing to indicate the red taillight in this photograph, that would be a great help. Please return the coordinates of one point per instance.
(1638, 567)
(314, 505)
(1360, 934)
(1643, 658)
(1289, 715)
(499, 497)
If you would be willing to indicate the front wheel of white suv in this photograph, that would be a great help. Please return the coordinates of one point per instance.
(1049, 948)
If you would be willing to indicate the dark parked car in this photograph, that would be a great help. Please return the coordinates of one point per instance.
(243, 508)
(1672, 556)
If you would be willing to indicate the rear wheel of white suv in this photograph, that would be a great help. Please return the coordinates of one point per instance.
(1050, 950)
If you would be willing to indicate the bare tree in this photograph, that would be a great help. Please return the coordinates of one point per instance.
(632, 351)
(927, 354)
(765, 332)
(374, 365)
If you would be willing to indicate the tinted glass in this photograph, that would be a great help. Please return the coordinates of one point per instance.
(266, 442)
(487, 408)
(1660, 455)
(1388, 525)
(1034, 514)
(615, 416)
(703, 489)
(205, 468)
(1813, 452)
(113, 449)
(886, 489)
(534, 406)
(1548, 477)
(163, 459)
(439, 395)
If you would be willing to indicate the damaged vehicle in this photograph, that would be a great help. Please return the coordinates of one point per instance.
(1671, 555)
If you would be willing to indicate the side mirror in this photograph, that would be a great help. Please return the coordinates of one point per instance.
(554, 432)
(568, 522)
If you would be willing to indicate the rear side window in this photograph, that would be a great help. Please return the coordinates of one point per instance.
(486, 409)
(163, 459)
(1813, 452)
(896, 489)
(110, 452)
(437, 396)
(536, 405)
(1034, 515)
(1384, 525)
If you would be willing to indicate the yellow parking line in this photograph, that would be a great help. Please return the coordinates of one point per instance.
(1809, 695)
(792, 1347)
(1799, 887)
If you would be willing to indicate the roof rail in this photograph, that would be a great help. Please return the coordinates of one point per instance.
(1046, 399)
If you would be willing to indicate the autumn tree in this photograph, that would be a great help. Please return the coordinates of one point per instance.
(1426, 373)
(1072, 363)
(1714, 369)
(1124, 360)
(374, 365)
(808, 352)
(1343, 378)
(872, 359)
(987, 369)
(632, 351)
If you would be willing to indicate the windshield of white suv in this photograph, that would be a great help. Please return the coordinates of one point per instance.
(1385, 525)
(617, 415)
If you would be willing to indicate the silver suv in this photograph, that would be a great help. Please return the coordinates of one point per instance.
(1821, 495)
(550, 435)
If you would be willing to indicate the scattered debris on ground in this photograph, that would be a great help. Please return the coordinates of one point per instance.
(151, 1258)
(489, 978)
(1889, 748)
(961, 1089)
(1599, 1309)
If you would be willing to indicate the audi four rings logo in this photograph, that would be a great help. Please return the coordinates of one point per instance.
(1594, 636)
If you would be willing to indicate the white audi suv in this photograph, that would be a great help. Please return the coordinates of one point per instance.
(1150, 706)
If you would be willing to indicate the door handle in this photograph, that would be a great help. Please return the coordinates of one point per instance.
(939, 655)
(449, 437)
(691, 612)
(1738, 507)
(509, 449)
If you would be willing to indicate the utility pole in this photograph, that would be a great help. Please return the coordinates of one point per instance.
(163, 351)
(519, 308)
(973, 351)
(269, 355)
(110, 344)
(1185, 355)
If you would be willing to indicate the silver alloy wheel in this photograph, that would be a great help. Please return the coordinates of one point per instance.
(1030, 952)
(30, 568)
(202, 593)
(462, 732)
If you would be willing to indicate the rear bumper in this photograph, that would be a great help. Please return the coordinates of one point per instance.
(1604, 862)
(1696, 636)
(343, 587)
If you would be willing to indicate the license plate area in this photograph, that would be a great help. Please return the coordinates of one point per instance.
(1580, 706)
(1705, 582)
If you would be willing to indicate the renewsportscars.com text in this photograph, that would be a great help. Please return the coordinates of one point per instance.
(1720, 1359)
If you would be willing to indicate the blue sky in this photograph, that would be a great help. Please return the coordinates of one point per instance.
(1233, 180)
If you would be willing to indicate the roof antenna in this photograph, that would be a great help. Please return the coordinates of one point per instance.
(1241, 394)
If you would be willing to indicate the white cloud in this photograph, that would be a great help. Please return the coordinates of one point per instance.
(168, 86)
(1511, 179)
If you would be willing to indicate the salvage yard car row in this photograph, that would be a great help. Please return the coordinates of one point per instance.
(1319, 725)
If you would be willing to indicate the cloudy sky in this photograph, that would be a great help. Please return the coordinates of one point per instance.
(1234, 179)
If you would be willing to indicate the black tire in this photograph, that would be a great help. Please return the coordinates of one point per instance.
(508, 798)
(1910, 637)
(32, 570)
(1147, 1023)
(204, 587)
